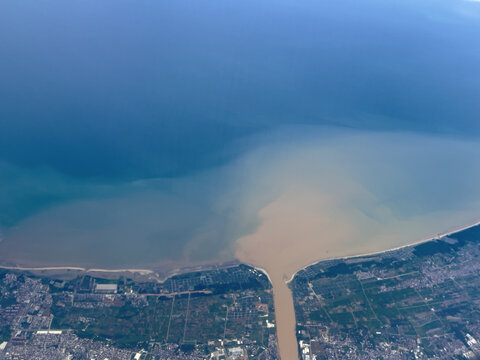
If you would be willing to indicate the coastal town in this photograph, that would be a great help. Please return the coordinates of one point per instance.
(217, 314)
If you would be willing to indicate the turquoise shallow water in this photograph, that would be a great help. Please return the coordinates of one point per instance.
(143, 130)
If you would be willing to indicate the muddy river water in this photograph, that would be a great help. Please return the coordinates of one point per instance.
(296, 232)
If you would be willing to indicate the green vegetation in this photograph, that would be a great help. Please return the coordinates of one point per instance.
(4, 333)
(200, 311)
(386, 305)
(199, 315)
(7, 301)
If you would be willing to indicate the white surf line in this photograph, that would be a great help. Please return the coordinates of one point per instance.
(74, 268)
(436, 237)
(21, 268)
(177, 271)
(148, 271)
(140, 271)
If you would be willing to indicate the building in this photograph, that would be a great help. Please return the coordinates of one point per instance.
(106, 288)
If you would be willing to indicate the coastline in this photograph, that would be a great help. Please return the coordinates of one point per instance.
(437, 237)
(214, 265)
(153, 274)
(75, 268)
(282, 293)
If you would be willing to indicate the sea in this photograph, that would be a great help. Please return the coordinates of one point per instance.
(163, 132)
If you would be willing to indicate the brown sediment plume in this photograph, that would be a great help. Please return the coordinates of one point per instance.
(306, 225)
(280, 245)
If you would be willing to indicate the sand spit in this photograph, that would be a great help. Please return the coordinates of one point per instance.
(69, 272)
(158, 273)
(74, 268)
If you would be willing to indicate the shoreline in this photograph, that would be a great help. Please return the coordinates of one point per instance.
(262, 270)
(211, 266)
(75, 268)
(346, 257)
(157, 274)
(282, 292)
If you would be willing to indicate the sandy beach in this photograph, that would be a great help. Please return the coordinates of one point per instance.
(157, 273)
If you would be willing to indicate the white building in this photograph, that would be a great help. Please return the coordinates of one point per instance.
(106, 288)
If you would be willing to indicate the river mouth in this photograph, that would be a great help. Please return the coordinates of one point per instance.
(286, 205)
(170, 134)
(294, 234)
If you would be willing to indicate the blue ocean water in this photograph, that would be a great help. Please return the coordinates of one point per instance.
(101, 99)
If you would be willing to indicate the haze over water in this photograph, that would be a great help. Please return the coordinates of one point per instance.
(165, 133)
